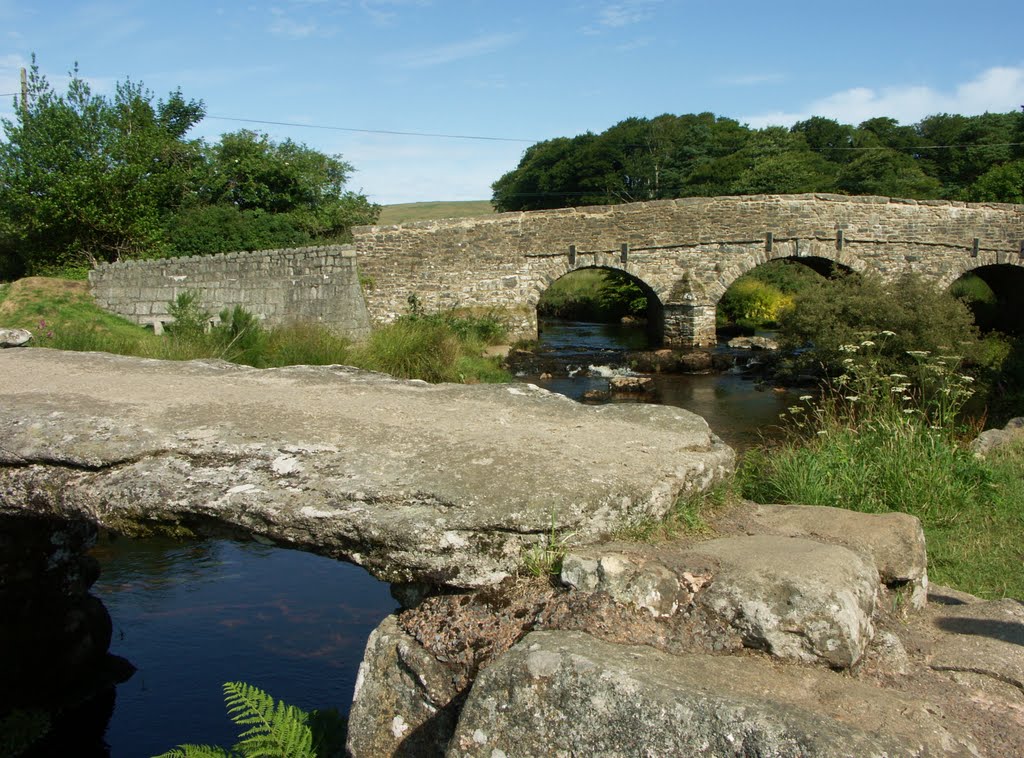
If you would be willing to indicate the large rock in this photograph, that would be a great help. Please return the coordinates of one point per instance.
(793, 597)
(893, 542)
(444, 484)
(566, 693)
(404, 701)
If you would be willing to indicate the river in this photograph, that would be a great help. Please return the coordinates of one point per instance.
(191, 616)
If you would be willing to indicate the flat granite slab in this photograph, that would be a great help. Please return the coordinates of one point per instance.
(446, 484)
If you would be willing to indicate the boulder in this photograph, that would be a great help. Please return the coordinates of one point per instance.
(756, 342)
(404, 701)
(567, 693)
(982, 638)
(992, 439)
(893, 542)
(794, 598)
(631, 385)
(14, 337)
(632, 579)
(440, 484)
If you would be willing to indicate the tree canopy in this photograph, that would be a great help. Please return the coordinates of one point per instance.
(86, 178)
(943, 156)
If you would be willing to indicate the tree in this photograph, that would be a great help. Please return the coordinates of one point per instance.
(302, 188)
(889, 173)
(84, 178)
(1000, 184)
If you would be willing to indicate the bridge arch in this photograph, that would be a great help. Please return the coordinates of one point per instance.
(1002, 307)
(655, 311)
(816, 257)
(985, 265)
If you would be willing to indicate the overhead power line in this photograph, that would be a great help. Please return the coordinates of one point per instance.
(374, 131)
(534, 141)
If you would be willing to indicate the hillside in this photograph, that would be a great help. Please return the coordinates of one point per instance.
(402, 212)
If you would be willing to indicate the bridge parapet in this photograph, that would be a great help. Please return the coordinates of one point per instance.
(686, 251)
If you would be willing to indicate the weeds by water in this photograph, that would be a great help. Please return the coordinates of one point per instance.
(881, 442)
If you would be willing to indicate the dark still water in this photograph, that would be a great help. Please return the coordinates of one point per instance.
(191, 616)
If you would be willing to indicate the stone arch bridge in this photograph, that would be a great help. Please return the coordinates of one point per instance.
(684, 252)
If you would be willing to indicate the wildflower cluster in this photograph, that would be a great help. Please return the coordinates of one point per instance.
(866, 397)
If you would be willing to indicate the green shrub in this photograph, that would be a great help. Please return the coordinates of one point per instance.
(239, 337)
(848, 309)
(751, 301)
(604, 295)
(190, 319)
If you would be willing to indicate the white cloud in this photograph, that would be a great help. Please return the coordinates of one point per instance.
(999, 89)
(621, 14)
(456, 51)
(284, 25)
(385, 12)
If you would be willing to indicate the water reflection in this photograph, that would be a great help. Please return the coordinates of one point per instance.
(193, 615)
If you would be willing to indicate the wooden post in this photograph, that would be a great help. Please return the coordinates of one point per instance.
(572, 255)
(839, 239)
(769, 239)
(624, 252)
(974, 247)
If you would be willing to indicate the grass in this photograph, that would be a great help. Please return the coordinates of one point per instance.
(403, 212)
(688, 516)
(879, 443)
(437, 348)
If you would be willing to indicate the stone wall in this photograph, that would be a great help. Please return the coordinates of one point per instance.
(688, 251)
(319, 284)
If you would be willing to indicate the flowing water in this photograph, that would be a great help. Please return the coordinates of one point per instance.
(191, 616)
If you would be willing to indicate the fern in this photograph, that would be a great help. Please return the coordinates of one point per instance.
(276, 730)
(197, 751)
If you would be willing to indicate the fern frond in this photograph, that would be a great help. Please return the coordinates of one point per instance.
(197, 751)
(276, 730)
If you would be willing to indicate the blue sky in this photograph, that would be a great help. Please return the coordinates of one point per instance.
(521, 70)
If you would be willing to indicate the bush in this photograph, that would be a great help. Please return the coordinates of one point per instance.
(753, 302)
(190, 319)
(848, 309)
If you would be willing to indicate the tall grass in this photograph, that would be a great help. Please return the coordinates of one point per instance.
(879, 442)
(444, 347)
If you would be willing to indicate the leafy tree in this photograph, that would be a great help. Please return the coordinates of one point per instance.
(249, 172)
(84, 178)
(887, 172)
(1000, 184)
(829, 138)
(965, 147)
